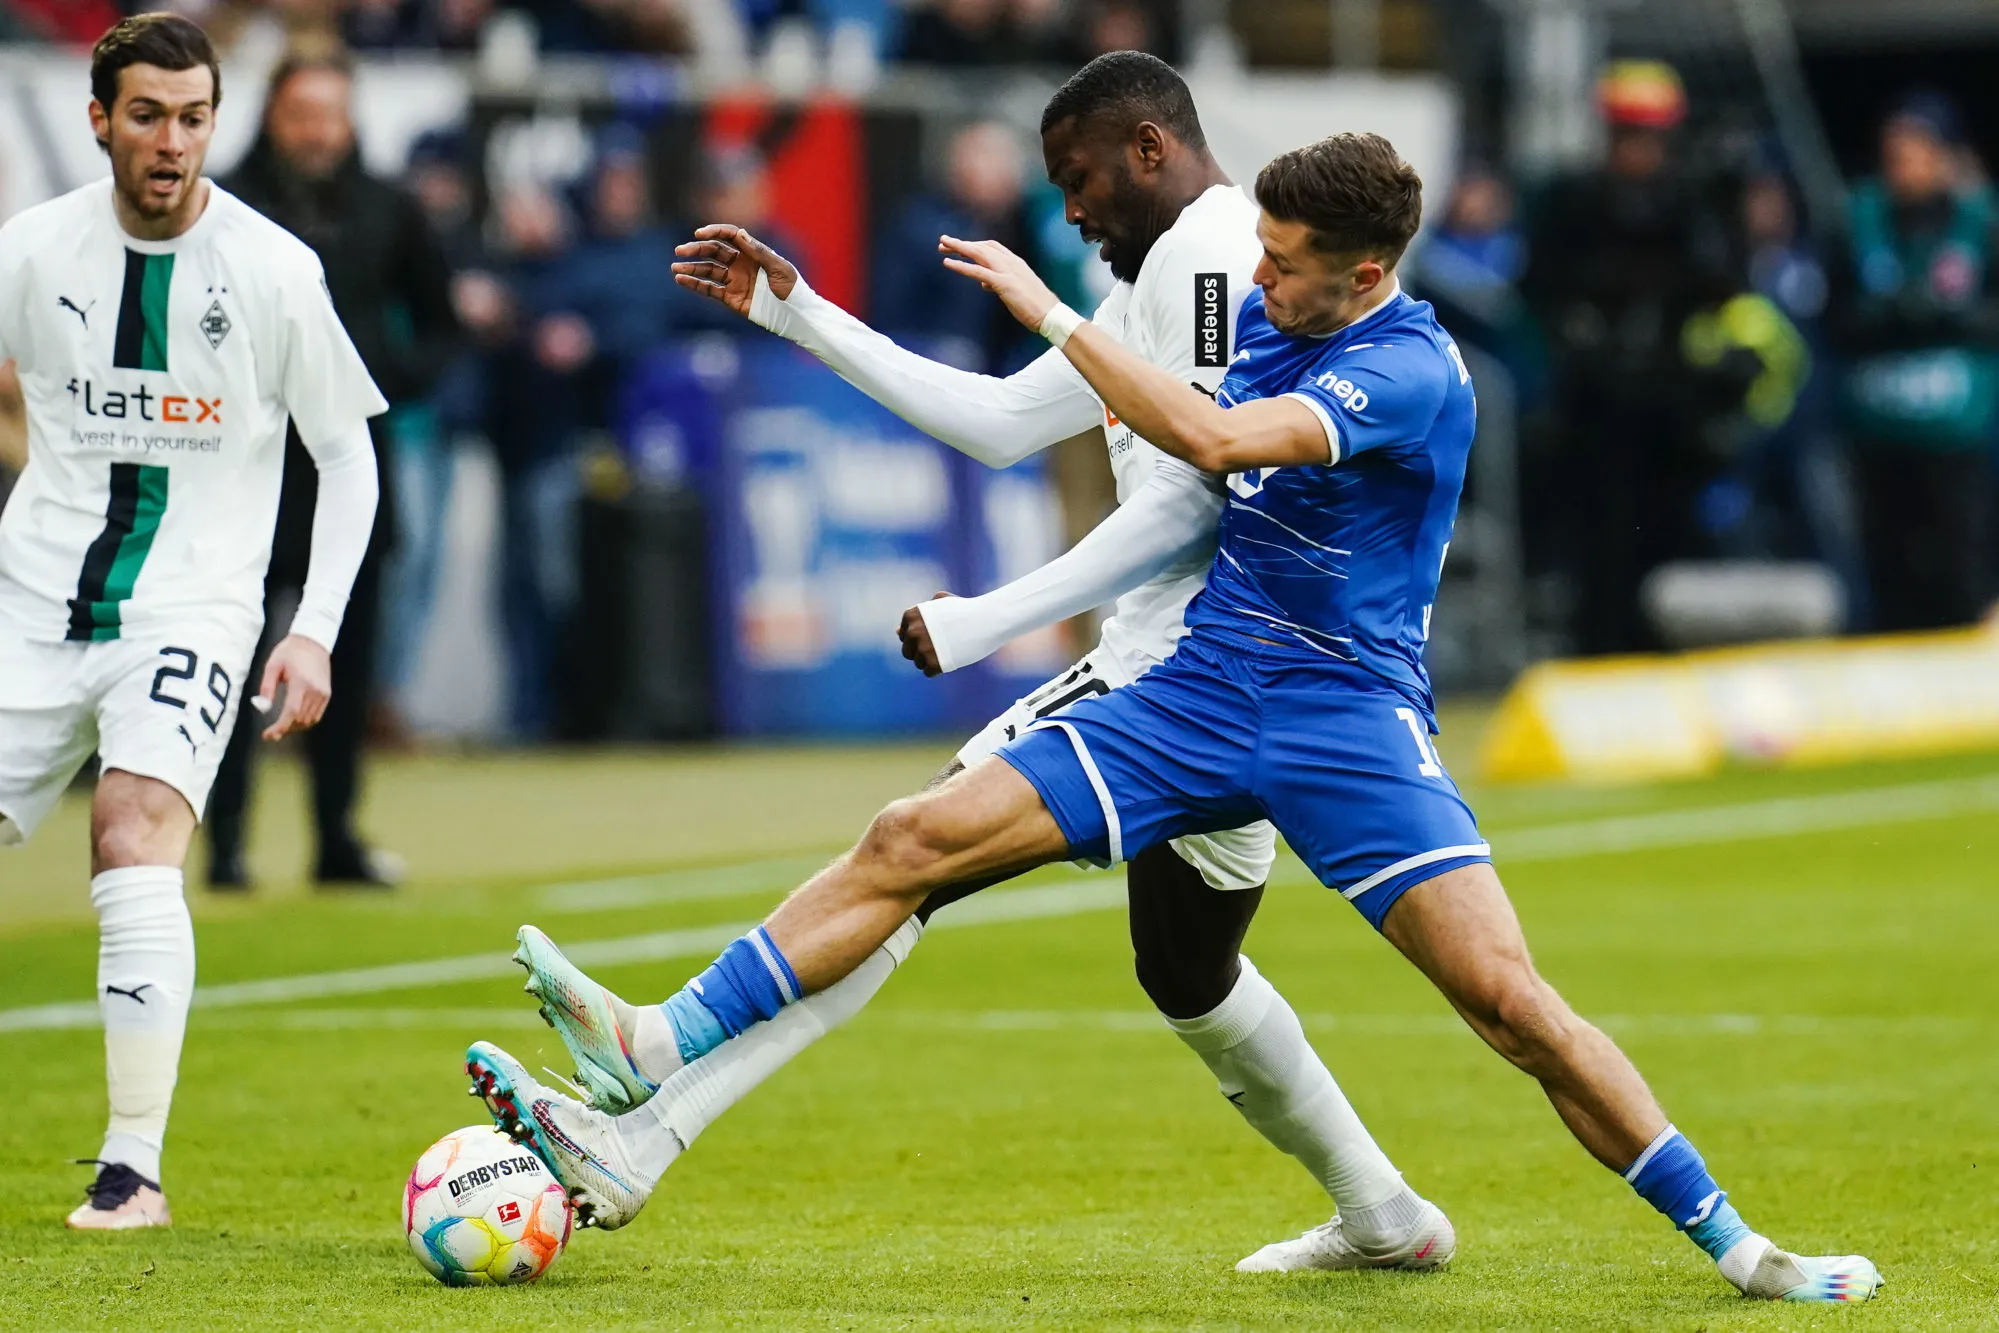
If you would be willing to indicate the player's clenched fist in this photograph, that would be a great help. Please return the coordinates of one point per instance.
(915, 636)
(304, 671)
(722, 263)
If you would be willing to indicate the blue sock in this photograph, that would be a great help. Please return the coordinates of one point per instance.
(746, 985)
(1671, 1177)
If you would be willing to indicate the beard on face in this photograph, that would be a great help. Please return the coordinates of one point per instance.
(1135, 223)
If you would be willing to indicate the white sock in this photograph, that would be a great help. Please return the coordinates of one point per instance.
(145, 979)
(655, 1050)
(1257, 1049)
(1738, 1265)
(694, 1097)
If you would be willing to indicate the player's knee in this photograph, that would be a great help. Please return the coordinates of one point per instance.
(125, 836)
(136, 822)
(904, 841)
(1530, 1024)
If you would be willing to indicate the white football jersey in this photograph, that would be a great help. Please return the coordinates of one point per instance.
(1180, 314)
(158, 377)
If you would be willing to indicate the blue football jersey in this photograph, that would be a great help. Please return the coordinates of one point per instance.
(1341, 561)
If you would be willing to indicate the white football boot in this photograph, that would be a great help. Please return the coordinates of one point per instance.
(1782, 1276)
(1428, 1243)
(120, 1200)
(585, 1016)
(579, 1144)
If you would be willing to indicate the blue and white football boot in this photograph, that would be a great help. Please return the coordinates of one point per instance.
(592, 1022)
(580, 1145)
(1782, 1276)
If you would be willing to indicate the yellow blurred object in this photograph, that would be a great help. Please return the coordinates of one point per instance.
(1796, 703)
(1643, 94)
(1754, 324)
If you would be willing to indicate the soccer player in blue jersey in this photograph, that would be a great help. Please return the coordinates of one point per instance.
(1299, 696)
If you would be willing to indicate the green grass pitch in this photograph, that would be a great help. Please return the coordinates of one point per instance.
(1007, 1138)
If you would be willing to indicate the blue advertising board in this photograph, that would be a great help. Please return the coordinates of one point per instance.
(830, 516)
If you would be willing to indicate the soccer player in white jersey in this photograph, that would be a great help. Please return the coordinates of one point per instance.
(1124, 143)
(163, 332)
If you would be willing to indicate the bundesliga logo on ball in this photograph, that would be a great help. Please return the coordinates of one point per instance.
(481, 1210)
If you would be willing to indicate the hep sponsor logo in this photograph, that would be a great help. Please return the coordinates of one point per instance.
(1351, 395)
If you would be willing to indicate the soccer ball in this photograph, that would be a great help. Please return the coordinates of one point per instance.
(481, 1210)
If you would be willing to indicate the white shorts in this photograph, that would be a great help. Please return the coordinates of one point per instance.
(161, 706)
(1233, 859)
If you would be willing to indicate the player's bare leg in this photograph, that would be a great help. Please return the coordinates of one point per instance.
(982, 822)
(1461, 930)
(624, 1052)
(140, 828)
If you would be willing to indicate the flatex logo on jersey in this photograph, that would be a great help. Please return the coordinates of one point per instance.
(120, 419)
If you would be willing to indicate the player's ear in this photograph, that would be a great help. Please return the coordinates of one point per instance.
(1149, 144)
(100, 125)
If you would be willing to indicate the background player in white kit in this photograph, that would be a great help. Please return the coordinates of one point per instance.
(163, 332)
(1124, 143)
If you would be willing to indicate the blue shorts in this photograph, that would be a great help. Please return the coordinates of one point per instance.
(1215, 737)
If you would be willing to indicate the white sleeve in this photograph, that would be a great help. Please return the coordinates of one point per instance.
(1187, 304)
(343, 521)
(324, 385)
(1171, 518)
(997, 421)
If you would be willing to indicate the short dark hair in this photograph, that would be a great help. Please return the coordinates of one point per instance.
(1354, 192)
(303, 56)
(166, 40)
(1123, 89)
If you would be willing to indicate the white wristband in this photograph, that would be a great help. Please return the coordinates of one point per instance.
(1059, 323)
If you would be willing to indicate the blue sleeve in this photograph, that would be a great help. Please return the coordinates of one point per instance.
(1387, 394)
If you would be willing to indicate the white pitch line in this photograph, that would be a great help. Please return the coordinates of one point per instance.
(1781, 817)
(1840, 1027)
(1063, 898)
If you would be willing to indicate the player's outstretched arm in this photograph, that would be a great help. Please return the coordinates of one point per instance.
(1170, 520)
(997, 421)
(1276, 432)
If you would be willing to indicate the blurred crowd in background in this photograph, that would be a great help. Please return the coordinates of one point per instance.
(1704, 366)
(946, 32)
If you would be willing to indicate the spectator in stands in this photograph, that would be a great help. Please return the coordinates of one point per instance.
(1917, 315)
(1125, 25)
(1470, 268)
(1803, 493)
(916, 297)
(958, 32)
(537, 410)
(425, 431)
(388, 280)
(1620, 257)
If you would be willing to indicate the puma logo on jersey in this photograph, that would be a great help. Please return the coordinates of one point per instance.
(132, 994)
(81, 312)
(188, 737)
